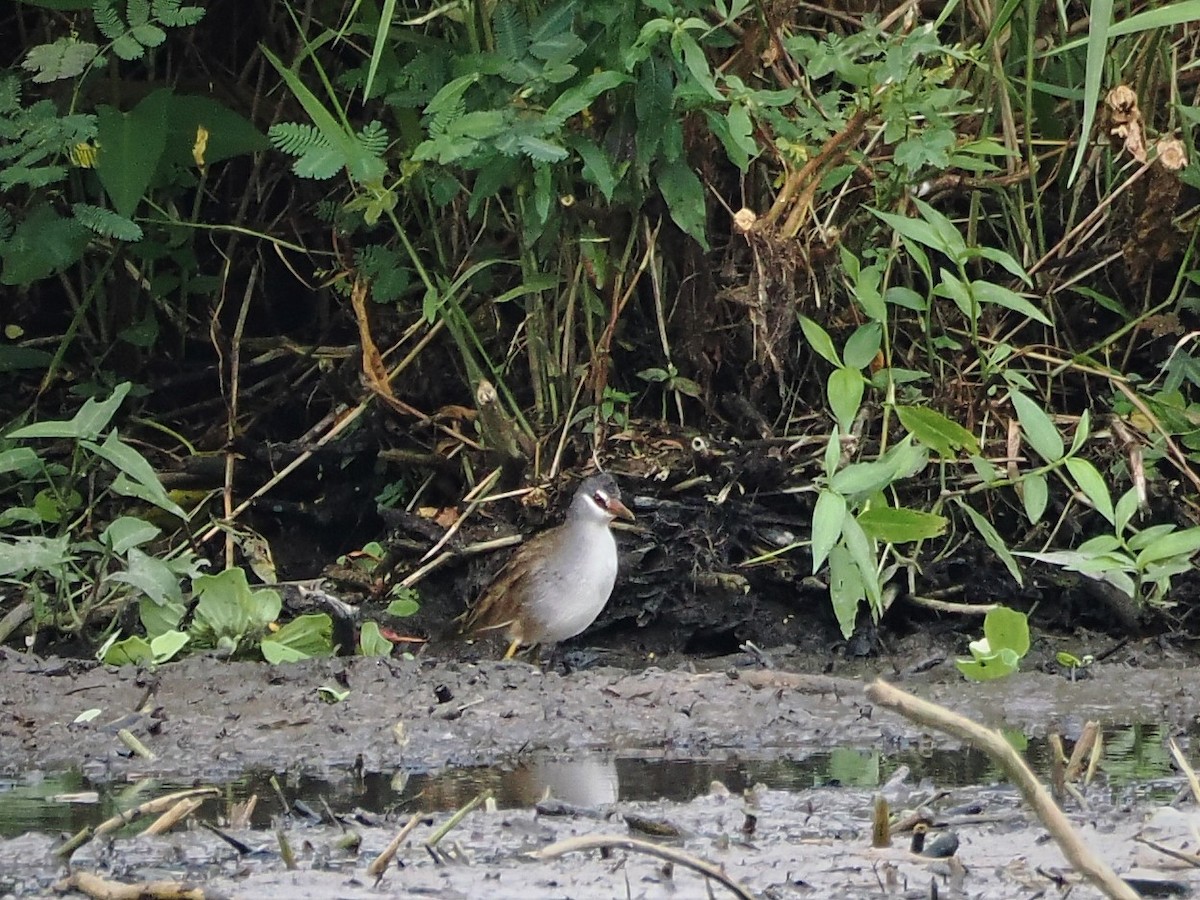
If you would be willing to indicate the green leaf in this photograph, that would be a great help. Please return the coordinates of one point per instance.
(921, 232)
(1037, 427)
(578, 98)
(820, 341)
(32, 554)
(696, 63)
(330, 694)
(361, 165)
(1091, 482)
(305, 637)
(941, 435)
(988, 667)
(404, 606)
(597, 167)
(1035, 494)
(43, 244)
(1180, 543)
(846, 590)
(131, 145)
(863, 345)
(1007, 629)
(992, 538)
(1126, 508)
(828, 515)
(227, 133)
(127, 532)
(845, 392)
(136, 468)
(902, 525)
(371, 642)
(684, 195)
(165, 646)
(987, 292)
(229, 612)
(133, 651)
(159, 618)
(65, 58)
(91, 420)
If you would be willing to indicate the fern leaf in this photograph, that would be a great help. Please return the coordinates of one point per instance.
(296, 138)
(65, 58)
(138, 12)
(171, 14)
(512, 37)
(107, 19)
(540, 150)
(374, 138)
(106, 223)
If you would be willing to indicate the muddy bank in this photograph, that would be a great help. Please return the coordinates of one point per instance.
(808, 843)
(208, 719)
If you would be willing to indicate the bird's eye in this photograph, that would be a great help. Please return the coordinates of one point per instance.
(601, 499)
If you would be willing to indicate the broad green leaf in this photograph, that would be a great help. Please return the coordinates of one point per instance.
(403, 607)
(159, 618)
(862, 551)
(19, 459)
(1091, 482)
(135, 466)
(1007, 629)
(578, 98)
(947, 233)
(131, 145)
(990, 667)
(845, 391)
(164, 647)
(371, 642)
(900, 526)
(941, 435)
(31, 554)
(1037, 427)
(846, 590)
(133, 651)
(863, 345)
(1035, 494)
(919, 231)
(305, 637)
(229, 611)
(1181, 543)
(93, 417)
(818, 338)
(126, 532)
(828, 515)
(992, 538)
(696, 63)
(1004, 259)
(684, 194)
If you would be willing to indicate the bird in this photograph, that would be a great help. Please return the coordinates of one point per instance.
(556, 583)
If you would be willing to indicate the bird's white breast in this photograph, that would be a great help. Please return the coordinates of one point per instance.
(569, 592)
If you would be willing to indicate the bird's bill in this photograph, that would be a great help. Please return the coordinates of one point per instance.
(618, 509)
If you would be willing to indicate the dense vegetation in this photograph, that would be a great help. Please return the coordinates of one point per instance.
(923, 272)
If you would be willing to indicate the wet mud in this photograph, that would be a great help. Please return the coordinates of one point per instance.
(209, 721)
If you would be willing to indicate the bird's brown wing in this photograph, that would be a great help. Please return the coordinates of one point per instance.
(500, 603)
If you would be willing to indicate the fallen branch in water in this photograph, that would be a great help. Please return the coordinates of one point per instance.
(1010, 762)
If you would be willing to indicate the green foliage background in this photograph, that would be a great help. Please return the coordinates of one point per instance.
(736, 219)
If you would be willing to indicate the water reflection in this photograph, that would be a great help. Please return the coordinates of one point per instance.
(1134, 756)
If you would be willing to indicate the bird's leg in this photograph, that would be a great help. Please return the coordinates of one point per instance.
(512, 649)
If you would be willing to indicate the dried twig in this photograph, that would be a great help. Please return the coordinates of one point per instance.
(1002, 753)
(617, 842)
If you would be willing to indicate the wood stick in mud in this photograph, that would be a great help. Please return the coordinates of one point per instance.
(1010, 762)
(103, 889)
(617, 842)
(150, 807)
(379, 865)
